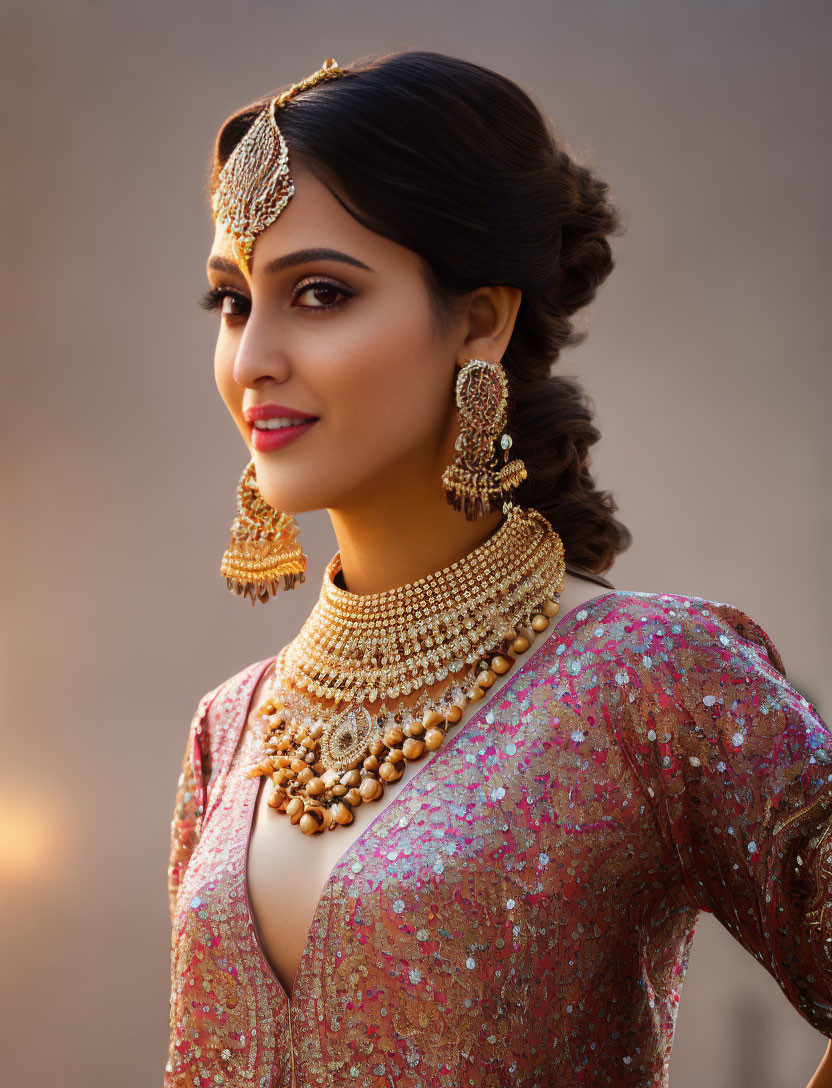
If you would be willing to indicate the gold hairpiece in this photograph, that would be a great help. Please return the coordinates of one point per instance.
(254, 185)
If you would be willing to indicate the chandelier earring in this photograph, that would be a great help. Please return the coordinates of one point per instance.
(474, 483)
(263, 548)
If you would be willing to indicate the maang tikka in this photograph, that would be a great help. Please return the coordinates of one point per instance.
(254, 185)
(473, 482)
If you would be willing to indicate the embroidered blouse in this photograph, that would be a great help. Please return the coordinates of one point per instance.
(521, 913)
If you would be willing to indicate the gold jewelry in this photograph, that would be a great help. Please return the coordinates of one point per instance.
(263, 546)
(472, 482)
(324, 760)
(254, 185)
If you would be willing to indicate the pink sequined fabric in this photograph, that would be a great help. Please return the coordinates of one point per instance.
(521, 913)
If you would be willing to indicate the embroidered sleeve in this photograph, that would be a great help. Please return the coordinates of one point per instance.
(190, 799)
(736, 766)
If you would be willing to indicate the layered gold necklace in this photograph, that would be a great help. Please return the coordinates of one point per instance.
(325, 751)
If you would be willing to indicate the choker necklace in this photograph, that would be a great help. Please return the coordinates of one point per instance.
(325, 752)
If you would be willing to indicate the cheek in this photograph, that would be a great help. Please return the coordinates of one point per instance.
(391, 377)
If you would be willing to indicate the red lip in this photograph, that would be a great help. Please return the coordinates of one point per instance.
(266, 440)
(272, 411)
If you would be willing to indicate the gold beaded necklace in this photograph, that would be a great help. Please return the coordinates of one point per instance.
(326, 758)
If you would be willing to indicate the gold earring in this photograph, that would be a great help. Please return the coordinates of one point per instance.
(263, 545)
(473, 482)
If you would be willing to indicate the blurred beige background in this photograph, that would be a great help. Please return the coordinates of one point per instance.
(708, 360)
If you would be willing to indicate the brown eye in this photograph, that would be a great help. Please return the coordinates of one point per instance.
(324, 295)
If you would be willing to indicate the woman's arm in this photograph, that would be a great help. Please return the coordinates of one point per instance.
(737, 768)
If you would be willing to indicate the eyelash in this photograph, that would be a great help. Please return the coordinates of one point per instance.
(214, 296)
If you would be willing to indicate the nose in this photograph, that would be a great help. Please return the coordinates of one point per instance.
(259, 355)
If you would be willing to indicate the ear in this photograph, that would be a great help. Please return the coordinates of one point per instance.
(491, 314)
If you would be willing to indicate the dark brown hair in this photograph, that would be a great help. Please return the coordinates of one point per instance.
(458, 164)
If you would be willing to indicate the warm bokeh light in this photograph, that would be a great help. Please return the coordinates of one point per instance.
(26, 838)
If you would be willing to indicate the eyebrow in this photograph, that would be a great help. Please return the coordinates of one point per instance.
(300, 256)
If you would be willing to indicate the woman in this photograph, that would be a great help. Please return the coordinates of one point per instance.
(399, 249)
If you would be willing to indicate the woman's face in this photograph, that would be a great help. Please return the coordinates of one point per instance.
(350, 340)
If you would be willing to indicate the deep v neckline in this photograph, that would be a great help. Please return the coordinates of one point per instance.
(251, 790)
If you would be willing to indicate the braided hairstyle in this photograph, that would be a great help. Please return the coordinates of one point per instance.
(458, 164)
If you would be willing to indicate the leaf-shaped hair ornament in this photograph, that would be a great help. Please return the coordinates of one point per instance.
(254, 184)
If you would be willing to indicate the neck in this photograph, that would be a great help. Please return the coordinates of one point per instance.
(385, 542)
